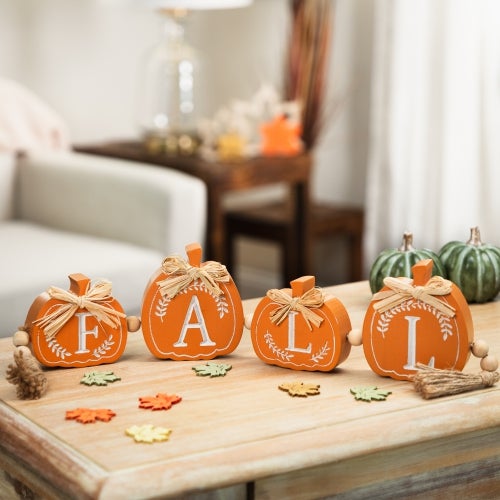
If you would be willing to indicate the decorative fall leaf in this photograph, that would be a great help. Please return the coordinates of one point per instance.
(300, 389)
(212, 369)
(148, 433)
(159, 402)
(99, 378)
(369, 393)
(89, 415)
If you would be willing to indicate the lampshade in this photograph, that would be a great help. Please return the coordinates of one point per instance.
(199, 4)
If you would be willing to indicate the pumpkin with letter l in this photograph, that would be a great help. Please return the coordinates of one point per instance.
(473, 266)
(191, 310)
(301, 329)
(425, 320)
(84, 326)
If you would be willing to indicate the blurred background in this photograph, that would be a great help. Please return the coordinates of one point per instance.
(409, 118)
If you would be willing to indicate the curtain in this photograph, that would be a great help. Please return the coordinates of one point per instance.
(307, 61)
(434, 160)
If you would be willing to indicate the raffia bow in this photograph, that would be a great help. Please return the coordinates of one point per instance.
(312, 299)
(402, 289)
(181, 274)
(95, 300)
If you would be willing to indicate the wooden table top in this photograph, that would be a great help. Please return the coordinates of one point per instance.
(232, 429)
(220, 175)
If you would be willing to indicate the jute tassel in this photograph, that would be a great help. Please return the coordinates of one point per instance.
(434, 383)
(26, 375)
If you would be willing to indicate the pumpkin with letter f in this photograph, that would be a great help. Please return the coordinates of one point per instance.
(79, 327)
(425, 320)
(191, 310)
(301, 329)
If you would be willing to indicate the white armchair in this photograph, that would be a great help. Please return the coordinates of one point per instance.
(64, 212)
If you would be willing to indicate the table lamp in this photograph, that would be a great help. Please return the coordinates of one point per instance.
(169, 95)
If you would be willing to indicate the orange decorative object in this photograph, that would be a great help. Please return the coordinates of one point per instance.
(425, 320)
(90, 415)
(298, 328)
(82, 327)
(159, 402)
(280, 137)
(191, 310)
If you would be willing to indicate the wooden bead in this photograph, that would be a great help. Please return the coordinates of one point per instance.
(355, 337)
(480, 348)
(21, 338)
(489, 363)
(248, 320)
(133, 323)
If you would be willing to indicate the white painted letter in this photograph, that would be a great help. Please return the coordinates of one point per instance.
(194, 305)
(412, 344)
(291, 335)
(82, 333)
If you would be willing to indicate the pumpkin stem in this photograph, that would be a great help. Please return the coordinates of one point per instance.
(407, 245)
(302, 285)
(79, 283)
(475, 237)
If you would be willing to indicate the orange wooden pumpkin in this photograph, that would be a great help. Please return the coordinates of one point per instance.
(426, 321)
(297, 328)
(84, 326)
(191, 310)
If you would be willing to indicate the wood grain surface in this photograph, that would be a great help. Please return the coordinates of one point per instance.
(241, 428)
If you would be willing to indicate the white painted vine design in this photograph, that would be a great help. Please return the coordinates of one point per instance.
(275, 349)
(105, 346)
(407, 306)
(221, 302)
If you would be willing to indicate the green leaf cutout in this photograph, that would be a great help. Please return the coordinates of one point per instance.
(212, 370)
(369, 393)
(99, 378)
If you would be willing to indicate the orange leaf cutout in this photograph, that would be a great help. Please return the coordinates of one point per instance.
(89, 415)
(159, 402)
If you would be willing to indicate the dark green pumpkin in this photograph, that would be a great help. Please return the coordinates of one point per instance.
(473, 266)
(397, 262)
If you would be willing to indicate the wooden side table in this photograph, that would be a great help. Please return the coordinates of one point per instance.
(223, 177)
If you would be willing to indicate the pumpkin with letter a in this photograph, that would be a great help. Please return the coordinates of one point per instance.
(191, 310)
(425, 320)
(473, 266)
(84, 326)
(397, 262)
(300, 328)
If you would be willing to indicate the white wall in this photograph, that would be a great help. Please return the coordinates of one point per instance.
(84, 59)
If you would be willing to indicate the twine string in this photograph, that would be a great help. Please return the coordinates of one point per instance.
(181, 274)
(402, 289)
(433, 382)
(96, 301)
(312, 299)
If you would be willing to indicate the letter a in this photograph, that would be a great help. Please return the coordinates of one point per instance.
(194, 305)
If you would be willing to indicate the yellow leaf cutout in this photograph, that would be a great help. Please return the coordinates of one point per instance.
(300, 389)
(148, 433)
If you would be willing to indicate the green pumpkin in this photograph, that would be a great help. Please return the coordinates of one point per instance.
(473, 266)
(397, 262)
